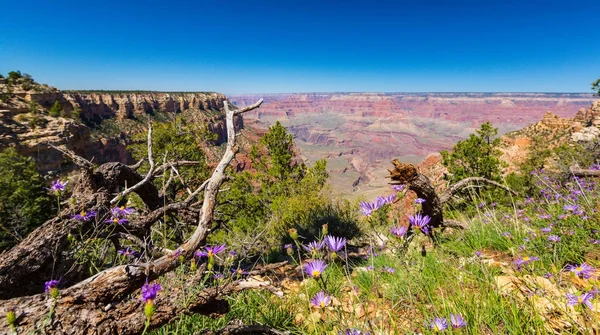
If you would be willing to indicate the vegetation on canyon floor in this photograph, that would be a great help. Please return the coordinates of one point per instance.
(519, 262)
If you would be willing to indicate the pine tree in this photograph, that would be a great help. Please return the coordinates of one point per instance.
(56, 109)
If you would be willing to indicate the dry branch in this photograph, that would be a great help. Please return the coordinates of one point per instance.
(102, 303)
(409, 175)
(148, 175)
(457, 187)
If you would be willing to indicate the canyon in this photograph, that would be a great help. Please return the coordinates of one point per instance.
(360, 133)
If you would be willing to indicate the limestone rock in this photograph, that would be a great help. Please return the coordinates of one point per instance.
(587, 134)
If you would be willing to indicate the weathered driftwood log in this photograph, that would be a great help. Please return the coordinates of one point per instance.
(409, 175)
(104, 300)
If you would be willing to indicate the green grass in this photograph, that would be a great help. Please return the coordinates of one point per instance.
(447, 279)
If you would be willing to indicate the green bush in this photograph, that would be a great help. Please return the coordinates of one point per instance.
(24, 202)
(56, 109)
(260, 206)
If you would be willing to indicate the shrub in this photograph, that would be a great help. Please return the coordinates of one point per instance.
(56, 109)
(24, 203)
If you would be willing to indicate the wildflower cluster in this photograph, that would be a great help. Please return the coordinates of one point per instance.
(440, 324)
(119, 215)
(369, 207)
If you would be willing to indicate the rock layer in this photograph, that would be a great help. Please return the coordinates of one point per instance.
(30, 132)
(377, 127)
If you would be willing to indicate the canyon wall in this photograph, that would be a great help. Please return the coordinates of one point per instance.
(18, 129)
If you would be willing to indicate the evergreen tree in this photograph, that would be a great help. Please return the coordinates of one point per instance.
(596, 87)
(56, 109)
(477, 156)
(24, 202)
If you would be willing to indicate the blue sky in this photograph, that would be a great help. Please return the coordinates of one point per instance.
(305, 46)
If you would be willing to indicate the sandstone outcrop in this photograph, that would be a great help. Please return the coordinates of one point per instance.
(26, 124)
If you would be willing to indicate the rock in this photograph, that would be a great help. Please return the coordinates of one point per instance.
(587, 134)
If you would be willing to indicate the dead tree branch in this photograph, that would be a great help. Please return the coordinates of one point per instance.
(409, 175)
(78, 160)
(457, 187)
(103, 303)
(148, 175)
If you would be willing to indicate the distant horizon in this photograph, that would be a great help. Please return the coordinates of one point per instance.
(325, 92)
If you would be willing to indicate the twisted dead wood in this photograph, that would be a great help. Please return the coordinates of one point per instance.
(409, 175)
(85, 308)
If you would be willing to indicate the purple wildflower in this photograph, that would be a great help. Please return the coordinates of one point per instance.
(149, 291)
(315, 268)
(84, 216)
(321, 300)
(58, 186)
(584, 270)
(239, 272)
(544, 216)
(506, 234)
(49, 285)
(369, 207)
(584, 299)
(352, 331)
(398, 188)
(419, 201)
(389, 269)
(210, 251)
(121, 211)
(548, 275)
(399, 231)
(480, 205)
(457, 321)
(128, 252)
(314, 246)
(420, 222)
(554, 238)
(571, 208)
(387, 200)
(546, 230)
(218, 276)
(117, 220)
(335, 243)
(524, 261)
(438, 324)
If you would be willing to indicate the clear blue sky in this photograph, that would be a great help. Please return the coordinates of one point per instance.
(304, 46)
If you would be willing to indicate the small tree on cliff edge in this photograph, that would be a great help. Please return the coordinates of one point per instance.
(596, 87)
(477, 156)
(56, 109)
